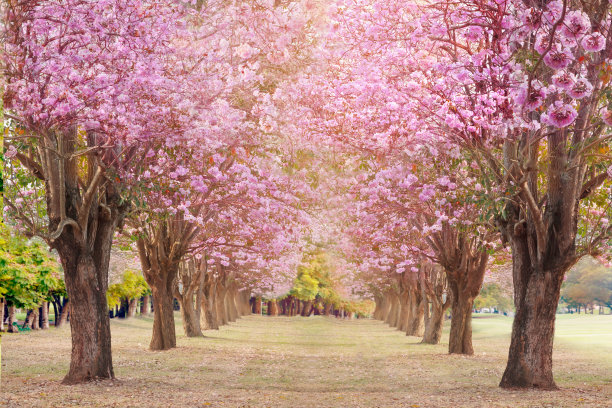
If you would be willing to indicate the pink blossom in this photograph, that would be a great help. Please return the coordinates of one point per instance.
(593, 42)
(563, 80)
(581, 88)
(576, 24)
(559, 115)
(607, 118)
(10, 152)
(535, 99)
(558, 58)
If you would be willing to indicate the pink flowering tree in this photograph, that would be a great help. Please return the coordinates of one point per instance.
(522, 86)
(83, 81)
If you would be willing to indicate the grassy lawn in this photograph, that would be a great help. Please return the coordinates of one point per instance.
(308, 362)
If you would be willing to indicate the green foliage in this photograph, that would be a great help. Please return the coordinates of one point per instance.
(132, 286)
(588, 283)
(29, 274)
(313, 279)
(491, 296)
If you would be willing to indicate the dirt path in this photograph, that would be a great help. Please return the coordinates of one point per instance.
(290, 362)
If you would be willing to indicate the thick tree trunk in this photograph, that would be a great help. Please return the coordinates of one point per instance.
(65, 313)
(56, 312)
(416, 324)
(228, 304)
(208, 317)
(44, 316)
(145, 309)
(531, 347)
(132, 306)
(395, 311)
(164, 330)
(89, 320)
(327, 309)
(405, 310)
(272, 308)
(191, 324)
(219, 306)
(12, 311)
(35, 319)
(433, 327)
(386, 307)
(460, 339)
(257, 306)
(191, 320)
(307, 308)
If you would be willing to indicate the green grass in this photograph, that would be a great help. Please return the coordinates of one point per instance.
(309, 362)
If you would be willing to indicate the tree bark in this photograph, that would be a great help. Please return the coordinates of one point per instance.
(145, 309)
(460, 339)
(531, 347)
(2, 303)
(164, 331)
(89, 320)
(44, 316)
(307, 308)
(65, 313)
(12, 328)
(132, 306)
(257, 306)
(416, 325)
(272, 308)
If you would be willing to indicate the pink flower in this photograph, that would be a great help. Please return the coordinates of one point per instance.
(593, 42)
(535, 99)
(581, 88)
(10, 152)
(610, 171)
(563, 80)
(576, 24)
(559, 115)
(532, 18)
(607, 118)
(558, 58)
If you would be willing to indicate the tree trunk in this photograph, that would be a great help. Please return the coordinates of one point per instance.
(145, 309)
(386, 307)
(307, 308)
(44, 316)
(164, 331)
(257, 306)
(132, 306)
(272, 308)
(395, 310)
(35, 319)
(56, 311)
(219, 307)
(12, 328)
(191, 320)
(89, 320)
(2, 303)
(531, 347)
(65, 313)
(327, 309)
(208, 319)
(460, 339)
(404, 311)
(417, 311)
(433, 327)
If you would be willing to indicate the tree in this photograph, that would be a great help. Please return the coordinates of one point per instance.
(84, 80)
(521, 86)
(29, 274)
(131, 288)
